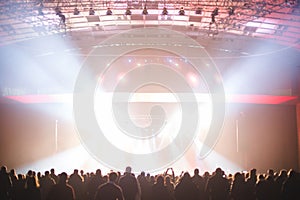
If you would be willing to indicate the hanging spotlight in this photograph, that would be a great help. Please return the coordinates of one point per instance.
(76, 11)
(40, 9)
(230, 11)
(215, 11)
(62, 18)
(165, 11)
(145, 11)
(58, 11)
(128, 11)
(91, 11)
(198, 11)
(181, 11)
(108, 12)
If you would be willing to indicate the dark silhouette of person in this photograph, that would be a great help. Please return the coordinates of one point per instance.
(20, 188)
(39, 176)
(261, 188)
(250, 187)
(94, 183)
(14, 180)
(130, 185)
(146, 187)
(186, 189)
(5, 184)
(83, 175)
(172, 174)
(110, 190)
(218, 187)
(13, 177)
(152, 180)
(279, 180)
(46, 183)
(85, 181)
(62, 190)
(32, 190)
(170, 185)
(159, 190)
(200, 183)
(271, 186)
(274, 186)
(290, 188)
(206, 176)
(238, 187)
(53, 175)
(76, 181)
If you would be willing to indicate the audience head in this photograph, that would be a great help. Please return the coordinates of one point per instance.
(206, 174)
(105, 178)
(160, 180)
(20, 177)
(128, 170)
(219, 172)
(186, 176)
(98, 172)
(283, 173)
(12, 172)
(168, 179)
(75, 171)
(292, 173)
(30, 173)
(3, 169)
(261, 177)
(238, 177)
(63, 178)
(31, 182)
(253, 172)
(270, 172)
(112, 176)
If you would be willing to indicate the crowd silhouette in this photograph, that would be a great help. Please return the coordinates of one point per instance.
(250, 185)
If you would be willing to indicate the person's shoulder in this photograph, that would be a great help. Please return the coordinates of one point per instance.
(68, 187)
(116, 186)
(55, 187)
(127, 176)
(132, 176)
(110, 186)
(104, 185)
(128, 179)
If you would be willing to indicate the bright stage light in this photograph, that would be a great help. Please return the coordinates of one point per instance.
(78, 158)
(193, 79)
(66, 161)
